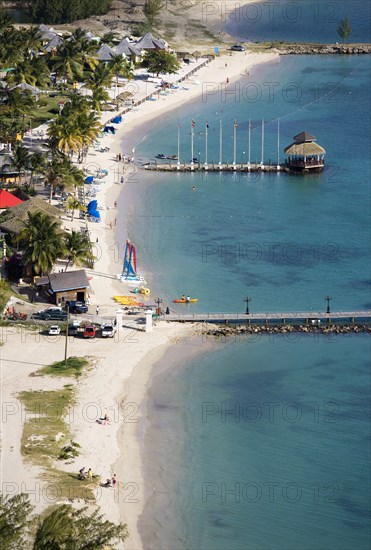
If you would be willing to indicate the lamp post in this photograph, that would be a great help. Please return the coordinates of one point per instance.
(328, 299)
(66, 340)
(158, 301)
(247, 300)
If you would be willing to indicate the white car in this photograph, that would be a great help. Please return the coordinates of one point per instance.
(54, 330)
(108, 331)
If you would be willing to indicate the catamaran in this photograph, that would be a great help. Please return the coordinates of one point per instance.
(129, 270)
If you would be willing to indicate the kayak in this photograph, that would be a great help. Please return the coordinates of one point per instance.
(184, 301)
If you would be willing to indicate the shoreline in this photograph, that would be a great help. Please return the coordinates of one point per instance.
(114, 361)
(128, 459)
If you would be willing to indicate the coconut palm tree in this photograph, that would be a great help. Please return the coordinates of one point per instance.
(42, 242)
(72, 203)
(20, 104)
(79, 249)
(68, 61)
(20, 160)
(37, 164)
(120, 66)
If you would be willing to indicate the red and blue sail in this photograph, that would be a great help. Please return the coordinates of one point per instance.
(129, 271)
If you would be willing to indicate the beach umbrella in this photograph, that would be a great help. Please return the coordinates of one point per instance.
(89, 179)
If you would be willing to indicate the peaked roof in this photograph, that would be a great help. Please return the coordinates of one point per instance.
(28, 88)
(105, 53)
(7, 199)
(304, 136)
(149, 42)
(54, 43)
(127, 48)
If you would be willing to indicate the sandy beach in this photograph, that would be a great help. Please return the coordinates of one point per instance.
(109, 386)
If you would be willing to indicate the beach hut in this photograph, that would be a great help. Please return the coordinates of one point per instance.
(304, 154)
(105, 53)
(149, 42)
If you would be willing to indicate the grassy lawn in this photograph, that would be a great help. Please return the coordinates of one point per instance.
(46, 434)
(74, 366)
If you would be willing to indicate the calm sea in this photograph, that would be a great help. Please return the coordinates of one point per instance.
(263, 443)
(299, 21)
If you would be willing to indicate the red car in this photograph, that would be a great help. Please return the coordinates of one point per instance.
(90, 332)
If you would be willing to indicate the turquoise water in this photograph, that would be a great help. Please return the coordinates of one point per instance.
(299, 478)
(290, 468)
(275, 454)
(286, 241)
(304, 21)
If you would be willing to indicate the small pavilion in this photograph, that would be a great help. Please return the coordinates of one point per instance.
(304, 154)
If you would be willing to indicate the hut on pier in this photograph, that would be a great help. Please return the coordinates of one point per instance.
(304, 154)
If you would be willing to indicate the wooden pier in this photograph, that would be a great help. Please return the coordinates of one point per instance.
(276, 318)
(172, 166)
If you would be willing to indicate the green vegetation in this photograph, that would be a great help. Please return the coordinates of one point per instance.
(42, 433)
(74, 366)
(161, 62)
(70, 451)
(344, 29)
(42, 242)
(62, 528)
(63, 11)
(5, 294)
(153, 8)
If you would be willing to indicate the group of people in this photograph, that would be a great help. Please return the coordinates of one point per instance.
(103, 419)
(85, 475)
(110, 482)
(186, 298)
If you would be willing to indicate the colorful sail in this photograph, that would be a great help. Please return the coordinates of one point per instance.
(129, 272)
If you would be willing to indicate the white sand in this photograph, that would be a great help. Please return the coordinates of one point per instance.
(101, 391)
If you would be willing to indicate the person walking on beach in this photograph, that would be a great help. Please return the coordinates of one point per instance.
(97, 310)
(90, 474)
(114, 480)
(115, 204)
(122, 179)
(110, 225)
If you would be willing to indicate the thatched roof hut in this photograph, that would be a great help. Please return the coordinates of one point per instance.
(304, 153)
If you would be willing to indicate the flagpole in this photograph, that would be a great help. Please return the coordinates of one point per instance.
(192, 164)
(278, 144)
(234, 143)
(206, 135)
(249, 154)
(220, 144)
(178, 163)
(262, 159)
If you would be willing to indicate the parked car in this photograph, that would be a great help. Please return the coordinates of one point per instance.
(73, 330)
(237, 48)
(90, 332)
(54, 330)
(108, 331)
(50, 314)
(77, 307)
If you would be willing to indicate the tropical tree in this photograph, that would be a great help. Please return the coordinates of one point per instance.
(36, 164)
(20, 159)
(62, 529)
(100, 78)
(42, 242)
(152, 8)
(68, 61)
(20, 103)
(344, 28)
(61, 173)
(161, 61)
(121, 66)
(79, 250)
(72, 203)
(14, 520)
(98, 97)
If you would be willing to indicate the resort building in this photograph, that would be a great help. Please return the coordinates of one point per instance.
(65, 286)
(305, 155)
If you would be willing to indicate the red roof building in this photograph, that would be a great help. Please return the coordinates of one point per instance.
(7, 199)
